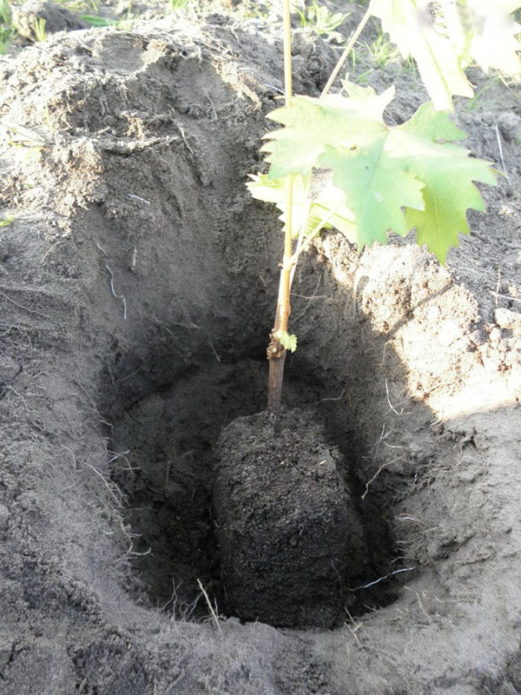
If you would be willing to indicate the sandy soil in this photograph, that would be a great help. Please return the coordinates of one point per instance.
(137, 282)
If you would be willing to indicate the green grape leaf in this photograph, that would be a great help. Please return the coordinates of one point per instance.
(447, 173)
(287, 340)
(410, 26)
(275, 191)
(381, 178)
(330, 204)
(311, 213)
(310, 124)
(377, 187)
(445, 36)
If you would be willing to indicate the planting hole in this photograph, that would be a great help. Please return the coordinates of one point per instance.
(166, 444)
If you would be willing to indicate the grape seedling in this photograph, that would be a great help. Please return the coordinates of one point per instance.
(335, 162)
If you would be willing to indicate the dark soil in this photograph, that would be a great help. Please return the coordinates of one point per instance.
(290, 538)
(137, 282)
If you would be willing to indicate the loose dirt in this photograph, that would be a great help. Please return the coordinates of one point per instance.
(137, 282)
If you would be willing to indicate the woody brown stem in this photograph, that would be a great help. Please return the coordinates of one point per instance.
(276, 353)
(277, 359)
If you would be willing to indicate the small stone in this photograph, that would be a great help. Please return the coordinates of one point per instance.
(507, 319)
(495, 335)
(477, 337)
(26, 500)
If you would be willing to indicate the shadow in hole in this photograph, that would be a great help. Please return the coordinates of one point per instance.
(172, 432)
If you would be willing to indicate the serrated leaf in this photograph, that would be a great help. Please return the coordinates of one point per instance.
(394, 178)
(445, 36)
(287, 340)
(377, 187)
(433, 125)
(447, 173)
(411, 27)
(311, 124)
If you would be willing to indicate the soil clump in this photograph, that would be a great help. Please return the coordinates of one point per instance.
(289, 534)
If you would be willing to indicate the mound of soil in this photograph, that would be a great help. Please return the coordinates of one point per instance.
(289, 533)
(137, 283)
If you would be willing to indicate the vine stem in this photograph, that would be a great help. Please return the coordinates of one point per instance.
(347, 50)
(276, 353)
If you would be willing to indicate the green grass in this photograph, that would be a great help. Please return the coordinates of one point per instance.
(382, 51)
(178, 4)
(318, 18)
(7, 29)
(474, 102)
(96, 21)
(38, 27)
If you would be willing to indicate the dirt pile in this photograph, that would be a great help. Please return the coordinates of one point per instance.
(137, 283)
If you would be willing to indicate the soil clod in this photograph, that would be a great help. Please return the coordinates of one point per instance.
(288, 530)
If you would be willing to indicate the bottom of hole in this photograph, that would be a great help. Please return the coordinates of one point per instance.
(306, 558)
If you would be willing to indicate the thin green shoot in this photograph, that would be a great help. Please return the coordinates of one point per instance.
(474, 103)
(7, 30)
(96, 21)
(318, 18)
(39, 31)
(176, 5)
(382, 51)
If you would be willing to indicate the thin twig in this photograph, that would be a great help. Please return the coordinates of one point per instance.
(112, 288)
(100, 475)
(500, 146)
(337, 398)
(25, 308)
(187, 144)
(391, 406)
(505, 296)
(138, 197)
(498, 285)
(214, 615)
(347, 51)
(213, 349)
(51, 249)
(381, 579)
(380, 469)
